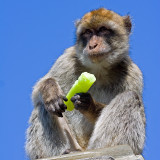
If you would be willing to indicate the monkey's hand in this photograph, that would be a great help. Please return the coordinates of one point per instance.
(52, 97)
(83, 102)
(87, 106)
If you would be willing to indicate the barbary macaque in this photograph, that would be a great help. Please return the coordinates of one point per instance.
(112, 111)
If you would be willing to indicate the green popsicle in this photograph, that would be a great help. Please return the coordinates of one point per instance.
(81, 85)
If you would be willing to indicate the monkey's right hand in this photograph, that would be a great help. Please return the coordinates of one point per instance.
(56, 106)
(52, 97)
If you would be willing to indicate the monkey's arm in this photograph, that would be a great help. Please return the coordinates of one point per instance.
(48, 92)
(48, 129)
(87, 105)
(121, 122)
(56, 83)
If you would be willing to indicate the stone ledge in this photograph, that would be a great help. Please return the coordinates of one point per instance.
(121, 152)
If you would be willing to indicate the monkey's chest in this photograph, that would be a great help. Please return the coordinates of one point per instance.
(101, 94)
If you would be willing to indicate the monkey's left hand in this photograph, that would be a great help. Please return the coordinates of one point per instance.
(87, 105)
(83, 102)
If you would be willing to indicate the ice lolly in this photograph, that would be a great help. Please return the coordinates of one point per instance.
(81, 85)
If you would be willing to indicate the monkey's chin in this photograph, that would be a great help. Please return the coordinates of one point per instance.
(97, 58)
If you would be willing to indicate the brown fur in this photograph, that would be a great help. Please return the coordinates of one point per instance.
(49, 90)
(97, 18)
(94, 111)
(87, 106)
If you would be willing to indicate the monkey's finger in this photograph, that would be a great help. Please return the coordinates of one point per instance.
(64, 98)
(62, 105)
(75, 97)
(58, 108)
(49, 107)
(67, 151)
(77, 104)
(59, 114)
(54, 109)
(84, 95)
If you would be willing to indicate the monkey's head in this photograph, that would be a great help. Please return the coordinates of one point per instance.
(102, 37)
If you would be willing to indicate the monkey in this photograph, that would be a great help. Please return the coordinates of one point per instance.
(110, 113)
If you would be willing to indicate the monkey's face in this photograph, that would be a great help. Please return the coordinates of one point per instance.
(102, 37)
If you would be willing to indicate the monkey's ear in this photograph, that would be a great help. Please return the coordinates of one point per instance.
(77, 22)
(128, 23)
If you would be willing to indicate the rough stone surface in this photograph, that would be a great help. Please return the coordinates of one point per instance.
(121, 152)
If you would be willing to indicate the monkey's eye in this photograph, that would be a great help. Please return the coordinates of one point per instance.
(87, 32)
(104, 30)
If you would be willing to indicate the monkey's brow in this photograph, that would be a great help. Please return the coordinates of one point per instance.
(109, 25)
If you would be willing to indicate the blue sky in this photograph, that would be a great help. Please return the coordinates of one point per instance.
(33, 34)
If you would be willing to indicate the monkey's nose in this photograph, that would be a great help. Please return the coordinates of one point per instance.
(92, 46)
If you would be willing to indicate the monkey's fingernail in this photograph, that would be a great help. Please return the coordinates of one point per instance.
(67, 151)
(62, 106)
(78, 102)
(77, 96)
(65, 107)
(73, 99)
(59, 114)
(64, 98)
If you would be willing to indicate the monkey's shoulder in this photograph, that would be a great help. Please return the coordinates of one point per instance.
(65, 64)
(135, 71)
(134, 78)
(66, 59)
(66, 69)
